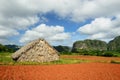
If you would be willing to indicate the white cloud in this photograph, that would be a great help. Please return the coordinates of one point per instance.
(98, 25)
(5, 33)
(18, 22)
(96, 8)
(101, 28)
(9, 26)
(20, 14)
(50, 33)
(76, 10)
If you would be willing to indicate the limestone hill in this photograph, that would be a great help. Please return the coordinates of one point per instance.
(89, 45)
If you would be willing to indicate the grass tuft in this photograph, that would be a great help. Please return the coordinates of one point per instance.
(115, 62)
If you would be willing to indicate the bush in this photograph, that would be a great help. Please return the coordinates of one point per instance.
(66, 53)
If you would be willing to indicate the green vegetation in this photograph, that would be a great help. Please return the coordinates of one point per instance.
(115, 62)
(5, 59)
(98, 48)
(12, 47)
(114, 44)
(89, 45)
(63, 49)
(8, 48)
(86, 47)
(97, 53)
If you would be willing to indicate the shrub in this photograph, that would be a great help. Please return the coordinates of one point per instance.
(108, 54)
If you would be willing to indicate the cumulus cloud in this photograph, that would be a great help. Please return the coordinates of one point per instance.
(76, 10)
(95, 8)
(21, 14)
(6, 32)
(50, 33)
(101, 28)
(10, 26)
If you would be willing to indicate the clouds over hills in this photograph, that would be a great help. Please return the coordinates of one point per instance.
(102, 28)
(20, 15)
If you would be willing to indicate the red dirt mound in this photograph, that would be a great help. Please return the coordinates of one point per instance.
(83, 71)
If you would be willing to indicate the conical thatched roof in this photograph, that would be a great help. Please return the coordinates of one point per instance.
(37, 51)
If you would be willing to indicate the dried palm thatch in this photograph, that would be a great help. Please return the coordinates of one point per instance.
(37, 51)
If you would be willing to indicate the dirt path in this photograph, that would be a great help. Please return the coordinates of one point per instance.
(83, 71)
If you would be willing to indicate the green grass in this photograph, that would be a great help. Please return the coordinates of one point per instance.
(68, 61)
(115, 62)
(5, 59)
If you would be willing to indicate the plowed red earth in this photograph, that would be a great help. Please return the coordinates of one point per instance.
(82, 71)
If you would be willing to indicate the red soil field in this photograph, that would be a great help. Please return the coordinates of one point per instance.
(82, 71)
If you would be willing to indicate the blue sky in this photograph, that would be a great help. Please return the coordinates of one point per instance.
(69, 26)
(60, 22)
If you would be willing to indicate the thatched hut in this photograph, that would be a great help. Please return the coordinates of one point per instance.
(36, 51)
